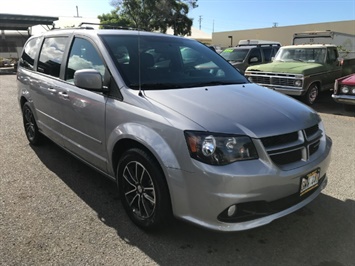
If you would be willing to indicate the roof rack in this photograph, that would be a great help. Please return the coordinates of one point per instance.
(105, 26)
(258, 43)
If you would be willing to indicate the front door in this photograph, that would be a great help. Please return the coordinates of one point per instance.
(333, 68)
(83, 110)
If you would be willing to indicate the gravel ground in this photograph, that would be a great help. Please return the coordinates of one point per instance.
(54, 210)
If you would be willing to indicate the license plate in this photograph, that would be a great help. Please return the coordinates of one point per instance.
(309, 182)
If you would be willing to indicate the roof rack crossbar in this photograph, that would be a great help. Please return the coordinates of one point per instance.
(106, 26)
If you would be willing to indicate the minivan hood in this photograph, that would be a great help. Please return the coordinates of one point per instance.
(246, 109)
(289, 67)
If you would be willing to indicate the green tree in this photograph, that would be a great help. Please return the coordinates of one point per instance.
(114, 19)
(154, 15)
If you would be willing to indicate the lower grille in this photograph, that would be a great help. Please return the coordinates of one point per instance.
(248, 211)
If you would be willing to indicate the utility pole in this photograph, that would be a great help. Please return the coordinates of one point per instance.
(200, 20)
(77, 12)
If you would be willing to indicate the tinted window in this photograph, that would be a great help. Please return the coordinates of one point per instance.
(267, 53)
(51, 56)
(29, 53)
(83, 55)
(255, 53)
(154, 62)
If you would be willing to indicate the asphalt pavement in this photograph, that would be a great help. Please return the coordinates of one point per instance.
(54, 210)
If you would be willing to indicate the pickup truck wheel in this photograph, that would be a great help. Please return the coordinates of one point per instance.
(32, 133)
(312, 94)
(143, 189)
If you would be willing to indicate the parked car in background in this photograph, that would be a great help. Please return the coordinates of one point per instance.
(217, 49)
(300, 70)
(179, 130)
(249, 53)
(344, 91)
(309, 66)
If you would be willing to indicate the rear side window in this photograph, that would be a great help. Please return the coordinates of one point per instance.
(83, 55)
(51, 56)
(29, 53)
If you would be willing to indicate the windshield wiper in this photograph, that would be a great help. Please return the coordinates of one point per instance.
(216, 83)
(155, 86)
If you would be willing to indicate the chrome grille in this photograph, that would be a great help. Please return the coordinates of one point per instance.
(277, 79)
(293, 147)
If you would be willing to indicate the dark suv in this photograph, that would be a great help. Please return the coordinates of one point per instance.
(247, 54)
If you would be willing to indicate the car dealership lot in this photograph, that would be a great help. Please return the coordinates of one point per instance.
(54, 210)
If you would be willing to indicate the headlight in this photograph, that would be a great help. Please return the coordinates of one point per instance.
(345, 89)
(298, 83)
(219, 149)
(353, 91)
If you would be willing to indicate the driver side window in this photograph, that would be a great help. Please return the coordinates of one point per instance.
(332, 57)
(83, 55)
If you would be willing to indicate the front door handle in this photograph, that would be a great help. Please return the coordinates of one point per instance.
(64, 94)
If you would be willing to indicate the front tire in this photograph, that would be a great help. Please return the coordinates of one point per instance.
(32, 133)
(143, 189)
(312, 94)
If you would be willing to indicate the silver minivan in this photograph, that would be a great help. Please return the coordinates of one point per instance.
(179, 129)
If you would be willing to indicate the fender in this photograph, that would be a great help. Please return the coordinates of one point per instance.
(148, 138)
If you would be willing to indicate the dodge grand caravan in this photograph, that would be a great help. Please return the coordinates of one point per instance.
(183, 136)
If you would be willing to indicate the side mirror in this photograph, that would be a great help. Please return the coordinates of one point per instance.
(89, 79)
(340, 61)
(254, 60)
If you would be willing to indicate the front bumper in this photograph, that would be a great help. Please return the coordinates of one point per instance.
(210, 191)
(286, 90)
(344, 99)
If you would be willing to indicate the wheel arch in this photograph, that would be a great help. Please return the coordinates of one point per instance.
(134, 135)
(315, 82)
(23, 100)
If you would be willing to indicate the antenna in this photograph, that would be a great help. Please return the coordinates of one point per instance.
(139, 64)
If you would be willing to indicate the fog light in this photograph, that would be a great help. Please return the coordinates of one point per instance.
(231, 210)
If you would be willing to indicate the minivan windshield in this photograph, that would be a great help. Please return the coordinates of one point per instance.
(161, 62)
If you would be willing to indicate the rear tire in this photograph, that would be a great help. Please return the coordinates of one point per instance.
(32, 133)
(312, 94)
(143, 189)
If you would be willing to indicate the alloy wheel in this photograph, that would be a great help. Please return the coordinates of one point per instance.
(139, 190)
